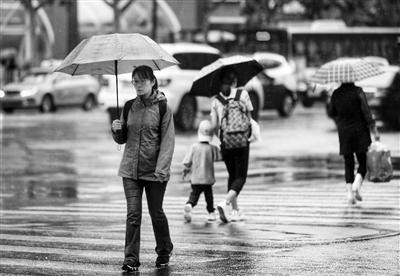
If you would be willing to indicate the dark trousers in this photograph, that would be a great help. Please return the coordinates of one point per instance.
(208, 194)
(237, 163)
(155, 194)
(349, 165)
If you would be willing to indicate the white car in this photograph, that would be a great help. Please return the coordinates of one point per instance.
(279, 83)
(47, 90)
(175, 82)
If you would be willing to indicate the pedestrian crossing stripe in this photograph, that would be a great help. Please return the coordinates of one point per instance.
(75, 236)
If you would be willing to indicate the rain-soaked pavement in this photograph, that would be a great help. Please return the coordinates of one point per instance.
(63, 208)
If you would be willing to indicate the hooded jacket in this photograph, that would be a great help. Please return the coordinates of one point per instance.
(149, 144)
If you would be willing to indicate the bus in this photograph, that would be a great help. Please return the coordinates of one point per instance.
(318, 44)
(308, 46)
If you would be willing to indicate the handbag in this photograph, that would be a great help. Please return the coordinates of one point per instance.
(379, 164)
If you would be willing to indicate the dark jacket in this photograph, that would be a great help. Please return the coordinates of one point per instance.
(349, 109)
(149, 144)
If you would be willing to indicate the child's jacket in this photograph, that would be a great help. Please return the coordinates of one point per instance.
(200, 161)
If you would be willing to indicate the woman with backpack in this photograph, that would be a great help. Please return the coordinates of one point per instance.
(234, 143)
(146, 128)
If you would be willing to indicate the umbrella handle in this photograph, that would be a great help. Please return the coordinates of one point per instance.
(116, 84)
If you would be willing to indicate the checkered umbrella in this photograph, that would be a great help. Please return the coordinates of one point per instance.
(208, 83)
(345, 70)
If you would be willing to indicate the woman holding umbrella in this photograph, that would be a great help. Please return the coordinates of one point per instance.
(236, 159)
(148, 132)
(349, 108)
(219, 81)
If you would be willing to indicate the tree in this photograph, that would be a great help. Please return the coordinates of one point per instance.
(119, 7)
(355, 12)
(263, 13)
(31, 7)
(208, 7)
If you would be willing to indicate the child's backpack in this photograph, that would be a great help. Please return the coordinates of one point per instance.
(235, 124)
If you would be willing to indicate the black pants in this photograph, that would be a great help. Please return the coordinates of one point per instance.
(349, 165)
(237, 164)
(208, 194)
(155, 194)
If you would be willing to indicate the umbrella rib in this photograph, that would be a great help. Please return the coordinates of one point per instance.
(76, 68)
(156, 64)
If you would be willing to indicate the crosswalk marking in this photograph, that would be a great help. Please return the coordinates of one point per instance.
(56, 236)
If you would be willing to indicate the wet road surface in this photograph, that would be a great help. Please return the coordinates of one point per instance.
(63, 208)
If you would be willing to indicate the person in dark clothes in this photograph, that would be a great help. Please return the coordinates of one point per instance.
(350, 110)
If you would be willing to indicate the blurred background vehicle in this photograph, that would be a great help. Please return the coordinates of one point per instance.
(389, 110)
(47, 90)
(279, 82)
(107, 96)
(176, 82)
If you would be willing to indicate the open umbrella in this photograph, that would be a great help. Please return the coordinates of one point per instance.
(345, 70)
(208, 83)
(115, 54)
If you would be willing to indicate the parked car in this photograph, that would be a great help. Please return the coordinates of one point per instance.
(107, 96)
(176, 82)
(47, 90)
(383, 95)
(279, 83)
(389, 110)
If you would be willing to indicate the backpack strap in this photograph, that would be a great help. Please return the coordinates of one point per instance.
(225, 101)
(162, 107)
(126, 109)
(221, 99)
(238, 94)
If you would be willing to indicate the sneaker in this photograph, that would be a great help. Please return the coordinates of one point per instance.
(236, 215)
(163, 260)
(188, 212)
(212, 216)
(357, 195)
(131, 267)
(222, 208)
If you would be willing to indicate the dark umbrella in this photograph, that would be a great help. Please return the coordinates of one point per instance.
(208, 83)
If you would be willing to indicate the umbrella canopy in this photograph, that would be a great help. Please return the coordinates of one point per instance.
(98, 55)
(115, 54)
(208, 83)
(345, 70)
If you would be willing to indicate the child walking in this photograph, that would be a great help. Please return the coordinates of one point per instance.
(199, 161)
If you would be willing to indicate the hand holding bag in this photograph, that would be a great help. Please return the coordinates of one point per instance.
(379, 163)
(255, 132)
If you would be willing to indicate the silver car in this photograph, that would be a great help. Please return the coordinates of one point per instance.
(47, 90)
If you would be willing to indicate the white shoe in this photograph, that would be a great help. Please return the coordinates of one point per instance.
(350, 195)
(357, 186)
(236, 215)
(223, 210)
(212, 216)
(188, 212)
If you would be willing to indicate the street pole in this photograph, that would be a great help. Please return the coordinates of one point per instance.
(154, 17)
